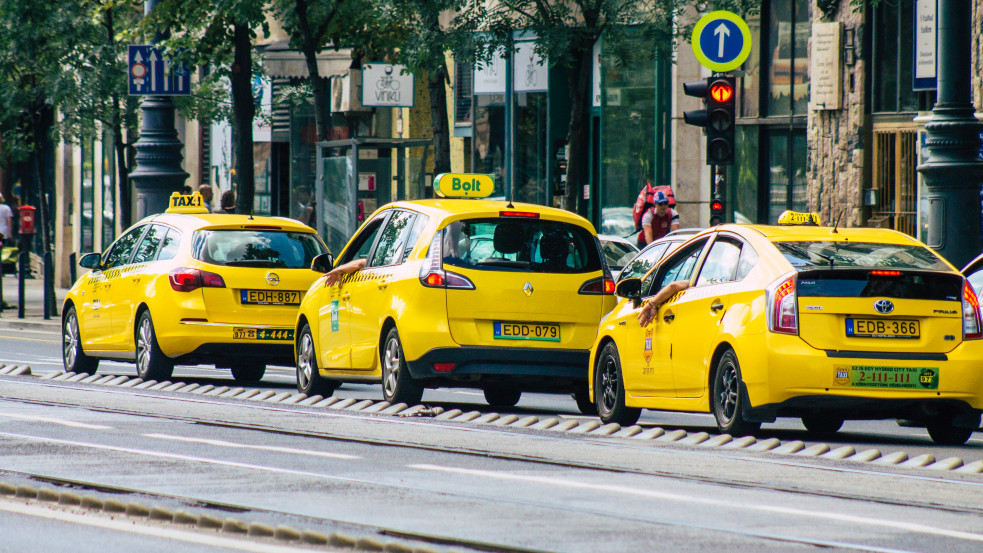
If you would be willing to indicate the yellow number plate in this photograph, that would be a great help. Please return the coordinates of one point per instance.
(270, 297)
(882, 328)
(265, 334)
(527, 331)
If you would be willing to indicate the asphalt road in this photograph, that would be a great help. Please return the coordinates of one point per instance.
(470, 488)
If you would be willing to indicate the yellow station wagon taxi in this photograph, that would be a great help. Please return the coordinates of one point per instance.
(458, 293)
(188, 286)
(814, 322)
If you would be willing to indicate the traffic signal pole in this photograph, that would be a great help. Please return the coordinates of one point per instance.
(953, 172)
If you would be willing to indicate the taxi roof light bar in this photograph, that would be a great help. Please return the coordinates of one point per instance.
(972, 319)
(188, 204)
(792, 218)
(463, 185)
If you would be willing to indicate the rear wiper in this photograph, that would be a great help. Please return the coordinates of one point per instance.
(255, 263)
(499, 262)
(800, 252)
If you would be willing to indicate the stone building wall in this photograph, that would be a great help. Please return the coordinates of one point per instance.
(835, 138)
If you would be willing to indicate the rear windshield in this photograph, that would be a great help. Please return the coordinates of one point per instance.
(828, 254)
(256, 248)
(520, 244)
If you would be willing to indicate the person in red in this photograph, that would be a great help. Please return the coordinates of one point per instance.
(660, 220)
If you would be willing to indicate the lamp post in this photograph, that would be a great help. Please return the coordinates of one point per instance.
(158, 153)
(953, 172)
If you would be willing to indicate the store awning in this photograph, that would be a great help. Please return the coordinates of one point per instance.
(280, 62)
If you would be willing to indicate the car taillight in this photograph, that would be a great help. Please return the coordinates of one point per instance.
(599, 285)
(186, 280)
(443, 367)
(782, 308)
(432, 273)
(972, 323)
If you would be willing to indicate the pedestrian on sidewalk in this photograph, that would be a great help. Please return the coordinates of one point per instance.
(6, 215)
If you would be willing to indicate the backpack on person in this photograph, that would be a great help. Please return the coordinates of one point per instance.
(645, 202)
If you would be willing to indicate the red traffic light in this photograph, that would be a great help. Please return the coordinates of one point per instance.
(716, 205)
(721, 92)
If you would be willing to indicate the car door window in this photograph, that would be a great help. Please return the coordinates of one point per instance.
(419, 223)
(392, 240)
(150, 244)
(362, 244)
(678, 266)
(749, 258)
(121, 251)
(644, 261)
(721, 262)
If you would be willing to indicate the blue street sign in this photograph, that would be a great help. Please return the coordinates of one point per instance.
(151, 73)
(721, 41)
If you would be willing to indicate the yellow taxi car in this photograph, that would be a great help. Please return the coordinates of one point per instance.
(454, 292)
(814, 322)
(187, 287)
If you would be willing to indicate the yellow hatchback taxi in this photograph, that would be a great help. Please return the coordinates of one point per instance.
(819, 323)
(454, 292)
(188, 287)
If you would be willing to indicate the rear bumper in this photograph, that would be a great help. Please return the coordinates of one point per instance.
(525, 368)
(201, 342)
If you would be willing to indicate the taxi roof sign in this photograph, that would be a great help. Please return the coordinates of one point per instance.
(789, 217)
(463, 185)
(191, 203)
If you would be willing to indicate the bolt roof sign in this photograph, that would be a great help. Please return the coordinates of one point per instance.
(721, 41)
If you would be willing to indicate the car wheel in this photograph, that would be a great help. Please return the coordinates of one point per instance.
(398, 385)
(73, 356)
(248, 371)
(943, 432)
(819, 424)
(582, 396)
(152, 364)
(728, 398)
(309, 380)
(501, 396)
(609, 389)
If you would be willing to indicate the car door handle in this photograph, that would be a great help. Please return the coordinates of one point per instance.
(345, 296)
(716, 307)
(668, 317)
(383, 283)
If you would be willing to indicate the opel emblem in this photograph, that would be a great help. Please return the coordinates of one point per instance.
(884, 306)
(273, 279)
(527, 289)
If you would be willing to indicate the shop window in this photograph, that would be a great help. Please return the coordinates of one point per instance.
(463, 75)
(530, 147)
(893, 60)
(108, 189)
(489, 137)
(789, 28)
(88, 194)
(895, 180)
(786, 172)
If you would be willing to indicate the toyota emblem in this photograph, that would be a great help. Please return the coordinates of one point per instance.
(273, 279)
(884, 306)
(527, 289)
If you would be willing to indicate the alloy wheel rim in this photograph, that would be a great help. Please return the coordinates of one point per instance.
(728, 392)
(609, 384)
(71, 340)
(391, 366)
(304, 355)
(143, 346)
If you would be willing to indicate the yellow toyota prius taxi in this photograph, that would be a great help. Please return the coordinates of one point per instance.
(819, 323)
(457, 292)
(188, 286)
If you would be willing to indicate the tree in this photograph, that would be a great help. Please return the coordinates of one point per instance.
(219, 34)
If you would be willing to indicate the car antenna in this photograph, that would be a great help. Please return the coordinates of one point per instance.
(836, 222)
(511, 196)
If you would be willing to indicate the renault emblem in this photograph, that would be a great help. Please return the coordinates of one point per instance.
(527, 289)
(273, 279)
(884, 306)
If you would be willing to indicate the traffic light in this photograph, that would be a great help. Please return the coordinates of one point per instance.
(716, 212)
(720, 120)
(698, 89)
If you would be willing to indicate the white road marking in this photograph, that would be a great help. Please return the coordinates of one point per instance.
(63, 422)
(652, 494)
(256, 447)
(130, 525)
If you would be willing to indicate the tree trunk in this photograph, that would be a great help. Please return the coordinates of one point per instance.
(243, 110)
(438, 116)
(122, 169)
(310, 44)
(579, 80)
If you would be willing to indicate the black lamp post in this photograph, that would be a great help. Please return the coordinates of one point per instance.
(953, 172)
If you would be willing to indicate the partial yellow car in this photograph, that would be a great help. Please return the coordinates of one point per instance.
(458, 293)
(804, 321)
(188, 287)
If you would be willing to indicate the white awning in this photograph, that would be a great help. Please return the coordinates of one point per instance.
(288, 64)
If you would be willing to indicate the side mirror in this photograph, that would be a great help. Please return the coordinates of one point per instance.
(323, 263)
(630, 288)
(90, 261)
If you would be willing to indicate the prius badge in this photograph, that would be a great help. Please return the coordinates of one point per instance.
(884, 306)
(527, 289)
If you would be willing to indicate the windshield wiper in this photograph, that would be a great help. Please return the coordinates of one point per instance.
(498, 262)
(805, 254)
(255, 263)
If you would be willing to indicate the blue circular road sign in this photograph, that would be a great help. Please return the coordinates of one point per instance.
(721, 41)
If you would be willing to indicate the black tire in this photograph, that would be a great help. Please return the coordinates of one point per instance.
(152, 364)
(582, 396)
(943, 432)
(501, 396)
(398, 385)
(728, 398)
(72, 354)
(609, 389)
(248, 371)
(818, 424)
(309, 380)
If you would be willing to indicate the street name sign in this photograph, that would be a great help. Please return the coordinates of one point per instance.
(151, 73)
(721, 41)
